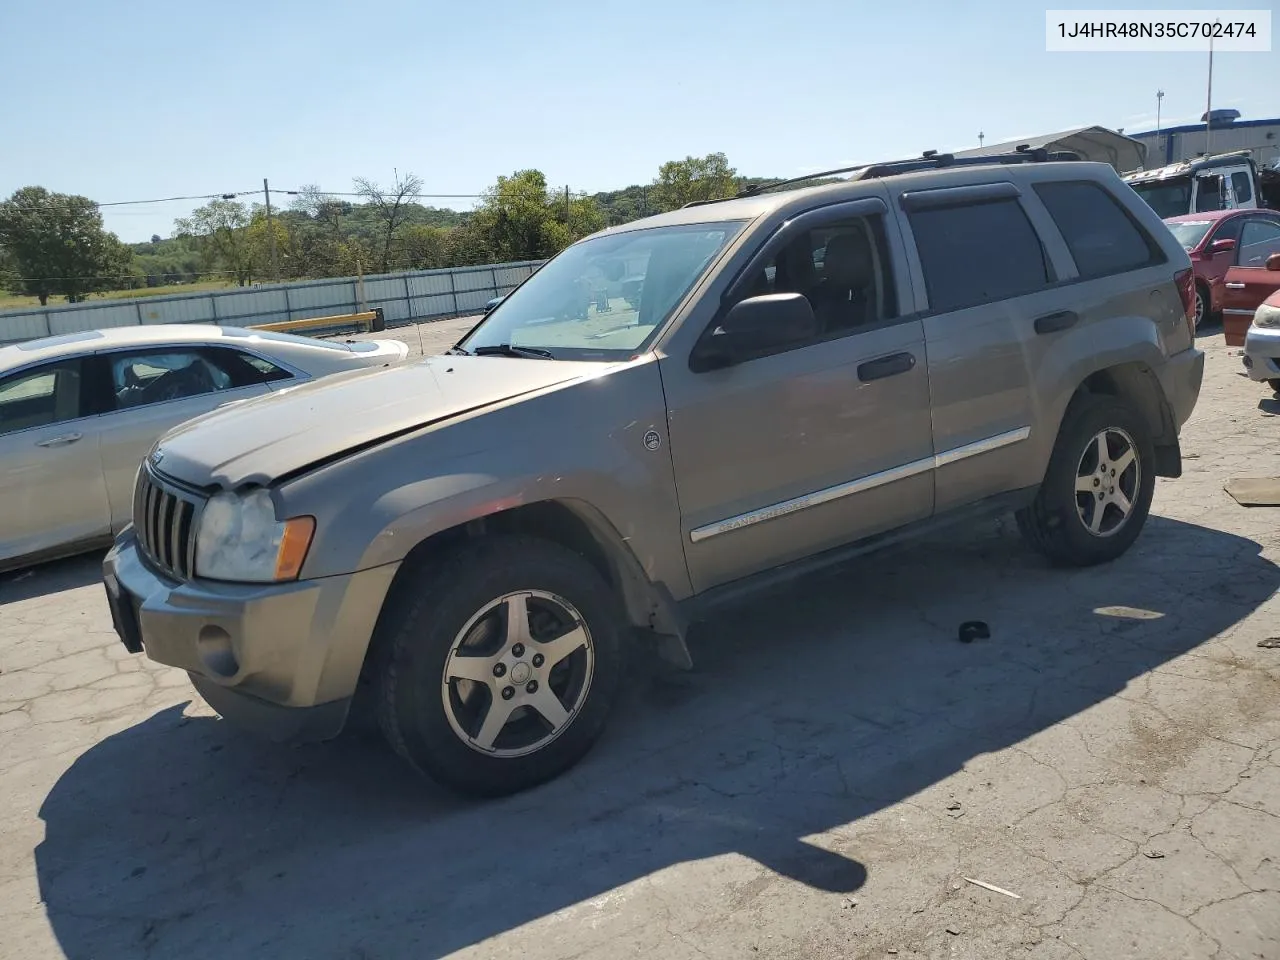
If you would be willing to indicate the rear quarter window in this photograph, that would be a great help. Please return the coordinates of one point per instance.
(1101, 235)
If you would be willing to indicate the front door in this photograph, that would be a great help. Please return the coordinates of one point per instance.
(1249, 282)
(52, 493)
(816, 445)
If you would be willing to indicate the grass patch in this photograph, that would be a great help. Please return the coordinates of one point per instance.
(10, 301)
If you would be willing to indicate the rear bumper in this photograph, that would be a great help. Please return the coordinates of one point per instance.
(1180, 378)
(280, 658)
(1262, 353)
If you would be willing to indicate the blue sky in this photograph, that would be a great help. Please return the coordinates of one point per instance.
(148, 99)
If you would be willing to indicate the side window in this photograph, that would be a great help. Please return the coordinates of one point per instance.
(1240, 184)
(1258, 240)
(978, 253)
(1229, 230)
(139, 378)
(267, 370)
(1101, 236)
(38, 398)
(1208, 194)
(842, 269)
(246, 369)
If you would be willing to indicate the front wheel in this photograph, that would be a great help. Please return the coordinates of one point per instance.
(1097, 490)
(497, 668)
(1274, 385)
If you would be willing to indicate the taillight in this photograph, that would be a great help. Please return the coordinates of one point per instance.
(1185, 280)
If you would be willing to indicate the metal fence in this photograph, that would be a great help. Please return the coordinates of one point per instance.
(403, 297)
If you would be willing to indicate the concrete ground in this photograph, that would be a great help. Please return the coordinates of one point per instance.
(824, 785)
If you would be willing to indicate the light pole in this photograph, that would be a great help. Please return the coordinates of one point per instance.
(1159, 98)
(1208, 101)
(981, 137)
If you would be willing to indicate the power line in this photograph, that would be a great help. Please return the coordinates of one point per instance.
(230, 195)
(340, 193)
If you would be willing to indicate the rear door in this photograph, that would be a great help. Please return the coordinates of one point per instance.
(1242, 192)
(1249, 282)
(984, 291)
(153, 389)
(51, 484)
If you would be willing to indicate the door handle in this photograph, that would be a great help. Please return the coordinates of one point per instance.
(889, 366)
(61, 441)
(1053, 322)
(1235, 286)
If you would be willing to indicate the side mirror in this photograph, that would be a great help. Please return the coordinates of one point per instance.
(756, 326)
(1222, 246)
(1273, 262)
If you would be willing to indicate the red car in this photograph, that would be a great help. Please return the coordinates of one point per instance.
(1221, 241)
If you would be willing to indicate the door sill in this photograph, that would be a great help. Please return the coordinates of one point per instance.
(702, 605)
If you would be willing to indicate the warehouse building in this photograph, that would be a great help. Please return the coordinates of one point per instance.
(1228, 134)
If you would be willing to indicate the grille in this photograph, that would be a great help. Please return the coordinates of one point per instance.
(165, 524)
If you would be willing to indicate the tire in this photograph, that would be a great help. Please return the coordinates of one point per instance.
(1274, 385)
(1202, 307)
(1058, 522)
(437, 724)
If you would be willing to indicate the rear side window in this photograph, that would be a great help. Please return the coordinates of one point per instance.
(1101, 236)
(41, 397)
(979, 253)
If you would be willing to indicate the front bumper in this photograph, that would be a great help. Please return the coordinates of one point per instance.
(281, 658)
(1262, 353)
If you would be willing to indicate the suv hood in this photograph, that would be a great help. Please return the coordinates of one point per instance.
(262, 439)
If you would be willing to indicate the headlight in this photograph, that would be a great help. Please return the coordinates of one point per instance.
(1267, 316)
(239, 538)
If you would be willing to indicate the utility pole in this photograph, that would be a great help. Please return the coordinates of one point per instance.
(1208, 103)
(566, 204)
(271, 231)
(981, 136)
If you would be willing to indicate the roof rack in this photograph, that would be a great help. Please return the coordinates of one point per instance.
(929, 160)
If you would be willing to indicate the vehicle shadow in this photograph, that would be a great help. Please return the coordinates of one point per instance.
(53, 576)
(808, 710)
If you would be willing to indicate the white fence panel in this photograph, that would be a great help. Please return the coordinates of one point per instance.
(186, 310)
(429, 284)
(93, 317)
(319, 300)
(403, 297)
(28, 325)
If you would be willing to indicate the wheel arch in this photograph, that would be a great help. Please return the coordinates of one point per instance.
(580, 527)
(1135, 383)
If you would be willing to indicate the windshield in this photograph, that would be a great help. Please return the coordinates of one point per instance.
(1168, 198)
(1189, 232)
(604, 298)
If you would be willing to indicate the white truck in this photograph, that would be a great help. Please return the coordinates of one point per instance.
(1229, 181)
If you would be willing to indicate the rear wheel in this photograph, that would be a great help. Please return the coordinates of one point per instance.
(498, 668)
(1274, 385)
(1097, 490)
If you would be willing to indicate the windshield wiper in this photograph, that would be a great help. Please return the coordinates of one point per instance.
(457, 351)
(507, 350)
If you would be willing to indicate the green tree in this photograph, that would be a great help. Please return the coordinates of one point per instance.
(55, 245)
(221, 230)
(424, 246)
(520, 219)
(694, 178)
